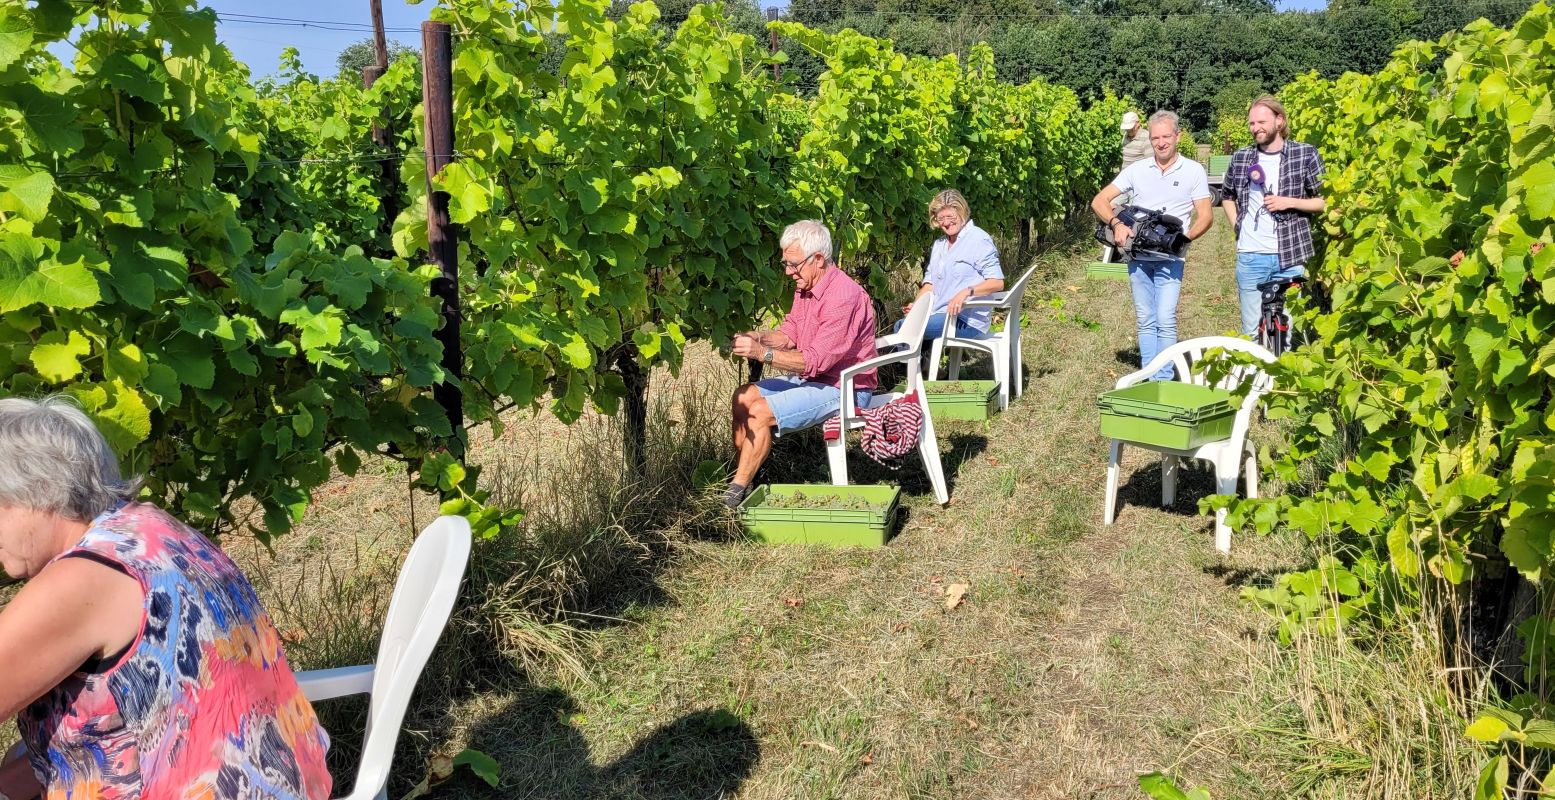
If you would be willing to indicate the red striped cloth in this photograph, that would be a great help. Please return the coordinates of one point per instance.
(890, 431)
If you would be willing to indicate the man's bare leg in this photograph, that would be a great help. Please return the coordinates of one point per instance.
(753, 421)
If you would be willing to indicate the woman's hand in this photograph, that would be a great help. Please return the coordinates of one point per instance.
(954, 307)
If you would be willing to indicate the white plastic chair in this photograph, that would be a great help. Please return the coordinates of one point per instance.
(1002, 347)
(423, 598)
(910, 336)
(1228, 455)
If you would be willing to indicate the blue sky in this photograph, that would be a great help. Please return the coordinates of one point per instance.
(258, 43)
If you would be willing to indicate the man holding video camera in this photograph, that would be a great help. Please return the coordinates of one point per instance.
(1164, 190)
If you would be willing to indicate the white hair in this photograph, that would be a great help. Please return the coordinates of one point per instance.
(1169, 116)
(810, 234)
(53, 459)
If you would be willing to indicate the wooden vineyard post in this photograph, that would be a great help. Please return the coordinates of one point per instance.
(442, 248)
(388, 169)
(772, 44)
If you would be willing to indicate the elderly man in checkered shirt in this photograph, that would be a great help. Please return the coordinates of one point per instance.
(1272, 191)
(831, 327)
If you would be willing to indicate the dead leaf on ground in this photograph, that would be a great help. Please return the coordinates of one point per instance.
(971, 724)
(899, 627)
(824, 746)
(793, 602)
(955, 594)
(869, 758)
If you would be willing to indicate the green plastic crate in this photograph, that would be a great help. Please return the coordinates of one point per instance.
(1107, 271)
(978, 400)
(838, 527)
(1180, 416)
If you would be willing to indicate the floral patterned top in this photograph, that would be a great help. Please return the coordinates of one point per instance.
(202, 704)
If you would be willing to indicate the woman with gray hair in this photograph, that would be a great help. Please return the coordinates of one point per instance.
(963, 263)
(137, 660)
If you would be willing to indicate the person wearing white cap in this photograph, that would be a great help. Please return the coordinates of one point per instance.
(1135, 146)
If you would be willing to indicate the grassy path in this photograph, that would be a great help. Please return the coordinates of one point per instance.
(1083, 654)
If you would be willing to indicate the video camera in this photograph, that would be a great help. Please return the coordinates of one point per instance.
(1156, 234)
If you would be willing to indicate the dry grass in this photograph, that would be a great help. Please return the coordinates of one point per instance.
(622, 646)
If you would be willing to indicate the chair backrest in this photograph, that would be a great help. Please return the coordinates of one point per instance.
(1018, 289)
(913, 326)
(424, 596)
(1182, 356)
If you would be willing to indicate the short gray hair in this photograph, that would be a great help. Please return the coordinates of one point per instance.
(53, 459)
(1169, 116)
(811, 235)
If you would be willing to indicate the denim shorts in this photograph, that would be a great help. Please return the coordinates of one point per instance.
(798, 404)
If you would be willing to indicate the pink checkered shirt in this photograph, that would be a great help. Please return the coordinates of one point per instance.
(833, 325)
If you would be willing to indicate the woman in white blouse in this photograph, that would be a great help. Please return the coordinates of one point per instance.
(963, 263)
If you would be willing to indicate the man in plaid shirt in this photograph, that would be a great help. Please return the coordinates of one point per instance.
(1272, 190)
(831, 327)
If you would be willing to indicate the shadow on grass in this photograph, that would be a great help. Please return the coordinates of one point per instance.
(1142, 487)
(800, 457)
(1128, 357)
(706, 753)
(1252, 577)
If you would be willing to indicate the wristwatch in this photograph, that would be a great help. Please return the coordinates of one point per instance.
(767, 358)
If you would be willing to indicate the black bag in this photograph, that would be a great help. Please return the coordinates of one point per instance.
(1156, 234)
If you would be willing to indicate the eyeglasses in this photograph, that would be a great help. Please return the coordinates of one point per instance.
(790, 266)
(947, 219)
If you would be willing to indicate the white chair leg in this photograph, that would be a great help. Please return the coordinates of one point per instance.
(928, 450)
(837, 454)
(1113, 461)
(935, 353)
(955, 364)
(1017, 367)
(1225, 483)
(1169, 467)
(1001, 373)
(1250, 471)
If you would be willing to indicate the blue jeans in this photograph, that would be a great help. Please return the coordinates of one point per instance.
(1251, 270)
(1157, 285)
(936, 327)
(798, 404)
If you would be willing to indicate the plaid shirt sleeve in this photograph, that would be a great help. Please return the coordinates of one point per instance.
(1234, 186)
(1294, 228)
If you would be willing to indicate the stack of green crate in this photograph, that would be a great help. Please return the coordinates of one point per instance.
(1107, 271)
(971, 400)
(839, 527)
(1179, 416)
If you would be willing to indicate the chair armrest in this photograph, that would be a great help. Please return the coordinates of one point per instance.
(849, 406)
(995, 300)
(327, 684)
